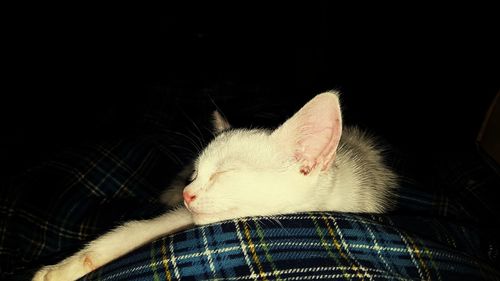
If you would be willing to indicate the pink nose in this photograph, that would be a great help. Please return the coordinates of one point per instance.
(188, 197)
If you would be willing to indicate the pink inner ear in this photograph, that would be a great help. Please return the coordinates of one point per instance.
(313, 133)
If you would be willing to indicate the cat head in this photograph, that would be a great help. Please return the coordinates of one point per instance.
(261, 172)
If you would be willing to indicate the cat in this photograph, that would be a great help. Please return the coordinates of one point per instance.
(309, 163)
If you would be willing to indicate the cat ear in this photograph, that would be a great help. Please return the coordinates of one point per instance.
(219, 122)
(311, 136)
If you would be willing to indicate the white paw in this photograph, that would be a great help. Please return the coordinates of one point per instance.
(69, 269)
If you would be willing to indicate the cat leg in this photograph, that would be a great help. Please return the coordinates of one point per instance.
(114, 244)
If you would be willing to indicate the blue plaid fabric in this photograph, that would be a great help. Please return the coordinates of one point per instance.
(443, 227)
(310, 246)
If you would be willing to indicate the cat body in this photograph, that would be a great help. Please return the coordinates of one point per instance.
(309, 163)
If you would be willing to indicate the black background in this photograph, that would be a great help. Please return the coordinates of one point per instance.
(422, 77)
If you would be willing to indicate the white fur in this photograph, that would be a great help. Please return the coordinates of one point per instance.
(114, 244)
(307, 164)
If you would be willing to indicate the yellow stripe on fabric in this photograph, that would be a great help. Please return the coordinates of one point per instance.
(408, 248)
(326, 245)
(244, 248)
(152, 264)
(340, 249)
(417, 252)
(251, 246)
(429, 254)
(269, 258)
(164, 259)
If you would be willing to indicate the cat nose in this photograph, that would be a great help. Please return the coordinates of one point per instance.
(188, 198)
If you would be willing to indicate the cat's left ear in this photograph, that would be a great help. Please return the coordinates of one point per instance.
(219, 122)
(311, 136)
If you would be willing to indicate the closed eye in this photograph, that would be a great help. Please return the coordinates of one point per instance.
(215, 175)
(192, 177)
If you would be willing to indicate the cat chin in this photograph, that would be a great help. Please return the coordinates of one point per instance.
(206, 218)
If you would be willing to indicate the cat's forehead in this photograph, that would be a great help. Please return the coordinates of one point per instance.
(236, 144)
(236, 137)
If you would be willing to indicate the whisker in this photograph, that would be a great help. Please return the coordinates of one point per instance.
(216, 106)
(172, 156)
(277, 222)
(191, 153)
(200, 141)
(199, 137)
(189, 139)
(258, 223)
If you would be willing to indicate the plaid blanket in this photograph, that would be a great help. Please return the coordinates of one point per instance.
(314, 246)
(442, 229)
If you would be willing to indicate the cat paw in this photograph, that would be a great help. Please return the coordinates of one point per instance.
(67, 270)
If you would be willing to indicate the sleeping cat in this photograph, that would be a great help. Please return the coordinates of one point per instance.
(303, 165)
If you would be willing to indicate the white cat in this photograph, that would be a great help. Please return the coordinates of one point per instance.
(303, 165)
